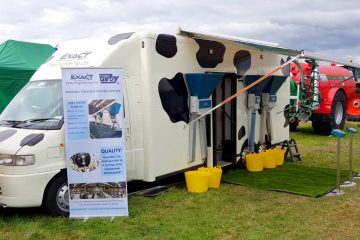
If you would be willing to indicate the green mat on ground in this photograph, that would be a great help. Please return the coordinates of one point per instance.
(290, 177)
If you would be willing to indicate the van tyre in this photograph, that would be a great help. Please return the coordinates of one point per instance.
(336, 119)
(57, 197)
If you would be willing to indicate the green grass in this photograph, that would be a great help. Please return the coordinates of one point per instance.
(230, 212)
(290, 177)
(321, 150)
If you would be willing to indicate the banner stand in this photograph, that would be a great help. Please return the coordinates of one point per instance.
(94, 142)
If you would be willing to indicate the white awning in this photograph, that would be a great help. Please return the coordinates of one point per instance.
(264, 46)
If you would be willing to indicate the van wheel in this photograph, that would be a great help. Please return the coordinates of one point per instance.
(57, 197)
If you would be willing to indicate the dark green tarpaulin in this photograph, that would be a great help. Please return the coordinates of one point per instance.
(18, 62)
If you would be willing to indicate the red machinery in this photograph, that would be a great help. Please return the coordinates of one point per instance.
(338, 93)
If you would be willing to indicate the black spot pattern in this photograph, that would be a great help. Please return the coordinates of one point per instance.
(241, 132)
(32, 139)
(119, 37)
(242, 62)
(174, 98)
(6, 134)
(285, 70)
(166, 45)
(210, 53)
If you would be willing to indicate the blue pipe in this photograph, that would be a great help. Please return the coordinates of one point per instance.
(252, 132)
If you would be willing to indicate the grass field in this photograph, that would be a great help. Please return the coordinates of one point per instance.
(230, 212)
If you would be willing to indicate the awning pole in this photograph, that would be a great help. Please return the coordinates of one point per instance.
(246, 88)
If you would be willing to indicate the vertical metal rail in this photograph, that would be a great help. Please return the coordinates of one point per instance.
(338, 166)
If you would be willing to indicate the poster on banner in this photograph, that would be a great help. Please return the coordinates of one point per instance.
(94, 142)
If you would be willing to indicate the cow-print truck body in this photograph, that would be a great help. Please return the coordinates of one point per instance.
(165, 132)
(156, 104)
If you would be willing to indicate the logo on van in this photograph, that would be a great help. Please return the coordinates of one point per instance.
(81, 77)
(108, 78)
(74, 56)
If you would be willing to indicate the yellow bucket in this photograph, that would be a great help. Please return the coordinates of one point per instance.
(254, 163)
(197, 181)
(269, 158)
(280, 155)
(215, 176)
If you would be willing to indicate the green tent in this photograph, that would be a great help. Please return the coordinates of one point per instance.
(18, 62)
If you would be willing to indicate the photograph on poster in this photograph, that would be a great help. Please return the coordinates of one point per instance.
(104, 118)
(83, 162)
(97, 190)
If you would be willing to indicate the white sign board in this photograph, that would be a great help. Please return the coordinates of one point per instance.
(94, 142)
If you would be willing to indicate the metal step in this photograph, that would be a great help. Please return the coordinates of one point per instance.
(223, 163)
(290, 146)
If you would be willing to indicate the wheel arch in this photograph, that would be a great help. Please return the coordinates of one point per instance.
(323, 123)
(331, 94)
(46, 190)
(327, 100)
(343, 91)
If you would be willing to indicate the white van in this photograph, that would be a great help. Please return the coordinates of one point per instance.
(156, 69)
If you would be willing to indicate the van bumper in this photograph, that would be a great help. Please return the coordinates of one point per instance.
(24, 190)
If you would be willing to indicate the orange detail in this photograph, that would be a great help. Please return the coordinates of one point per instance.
(353, 106)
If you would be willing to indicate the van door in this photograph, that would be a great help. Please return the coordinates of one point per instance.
(224, 122)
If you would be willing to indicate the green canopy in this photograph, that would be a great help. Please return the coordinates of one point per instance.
(18, 62)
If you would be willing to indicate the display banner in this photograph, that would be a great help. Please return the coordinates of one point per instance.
(94, 142)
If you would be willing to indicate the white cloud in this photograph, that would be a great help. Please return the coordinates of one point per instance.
(331, 27)
(57, 18)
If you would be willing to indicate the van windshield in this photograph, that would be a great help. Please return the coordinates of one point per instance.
(37, 106)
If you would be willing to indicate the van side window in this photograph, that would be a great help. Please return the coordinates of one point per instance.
(174, 98)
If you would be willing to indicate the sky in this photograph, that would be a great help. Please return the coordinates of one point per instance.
(327, 27)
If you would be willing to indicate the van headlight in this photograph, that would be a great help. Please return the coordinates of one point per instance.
(16, 160)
